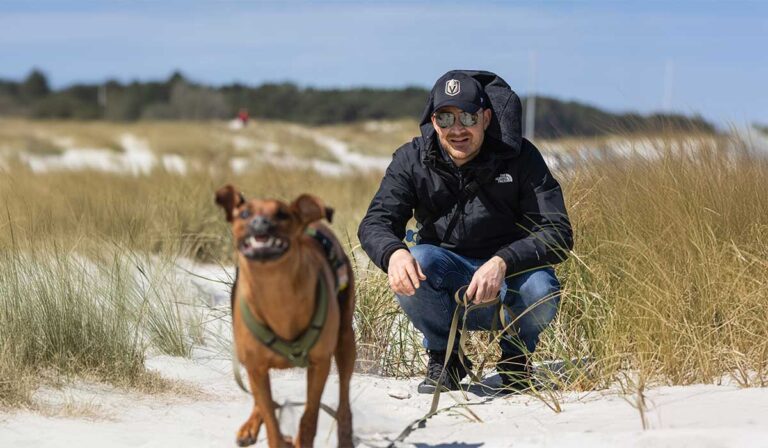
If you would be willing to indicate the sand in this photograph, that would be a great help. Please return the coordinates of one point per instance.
(87, 415)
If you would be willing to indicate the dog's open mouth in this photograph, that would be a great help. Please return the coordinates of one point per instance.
(263, 247)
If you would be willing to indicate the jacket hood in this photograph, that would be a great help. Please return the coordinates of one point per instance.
(506, 122)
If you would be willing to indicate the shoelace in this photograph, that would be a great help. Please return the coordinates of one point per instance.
(435, 366)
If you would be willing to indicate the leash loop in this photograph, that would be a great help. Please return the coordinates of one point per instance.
(460, 297)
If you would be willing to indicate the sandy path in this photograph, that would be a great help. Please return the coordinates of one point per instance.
(136, 158)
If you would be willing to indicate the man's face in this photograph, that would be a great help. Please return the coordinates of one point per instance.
(462, 143)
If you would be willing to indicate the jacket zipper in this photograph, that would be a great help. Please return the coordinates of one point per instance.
(462, 201)
(458, 212)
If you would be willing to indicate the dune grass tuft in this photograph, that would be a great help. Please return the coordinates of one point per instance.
(55, 318)
(65, 315)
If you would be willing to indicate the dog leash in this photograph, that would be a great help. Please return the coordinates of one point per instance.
(461, 303)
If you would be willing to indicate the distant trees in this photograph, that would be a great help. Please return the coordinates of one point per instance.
(556, 118)
(35, 86)
(189, 102)
(286, 101)
(17, 98)
(179, 98)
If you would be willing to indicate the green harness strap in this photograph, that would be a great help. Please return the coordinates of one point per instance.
(296, 351)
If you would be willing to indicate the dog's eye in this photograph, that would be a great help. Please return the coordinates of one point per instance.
(245, 214)
(282, 215)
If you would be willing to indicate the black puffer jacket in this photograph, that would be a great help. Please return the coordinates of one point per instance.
(503, 202)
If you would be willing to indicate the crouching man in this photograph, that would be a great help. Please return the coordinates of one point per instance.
(489, 215)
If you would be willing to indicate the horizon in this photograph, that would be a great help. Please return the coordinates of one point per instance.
(191, 80)
(617, 56)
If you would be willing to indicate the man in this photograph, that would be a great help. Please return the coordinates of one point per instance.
(489, 215)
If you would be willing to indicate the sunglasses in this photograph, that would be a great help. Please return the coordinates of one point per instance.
(446, 119)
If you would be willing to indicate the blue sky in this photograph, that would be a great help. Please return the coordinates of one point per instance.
(691, 56)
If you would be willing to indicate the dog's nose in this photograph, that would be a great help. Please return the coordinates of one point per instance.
(260, 224)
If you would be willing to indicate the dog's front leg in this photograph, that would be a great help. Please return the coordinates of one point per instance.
(262, 394)
(249, 432)
(317, 374)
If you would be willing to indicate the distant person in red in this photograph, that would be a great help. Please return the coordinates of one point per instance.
(242, 115)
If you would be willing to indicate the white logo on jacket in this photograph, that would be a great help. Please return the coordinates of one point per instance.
(452, 87)
(504, 178)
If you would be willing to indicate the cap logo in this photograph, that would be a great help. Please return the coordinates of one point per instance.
(452, 87)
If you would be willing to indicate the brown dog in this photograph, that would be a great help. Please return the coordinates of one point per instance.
(279, 267)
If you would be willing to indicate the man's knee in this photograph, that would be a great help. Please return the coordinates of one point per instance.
(429, 296)
(428, 256)
(540, 294)
(409, 304)
(435, 263)
(426, 307)
(539, 285)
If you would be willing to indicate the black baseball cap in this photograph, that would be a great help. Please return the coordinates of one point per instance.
(460, 90)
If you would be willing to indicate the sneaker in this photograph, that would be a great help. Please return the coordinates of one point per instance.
(515, 372)
(456, 372)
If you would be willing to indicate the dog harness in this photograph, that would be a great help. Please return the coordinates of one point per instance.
(297, 351)
(335, 259)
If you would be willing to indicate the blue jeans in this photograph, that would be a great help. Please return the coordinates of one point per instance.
(431, 308)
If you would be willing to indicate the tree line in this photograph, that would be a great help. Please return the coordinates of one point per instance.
(178, 98)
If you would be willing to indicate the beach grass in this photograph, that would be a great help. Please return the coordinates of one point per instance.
(79, 314)
(57, 321)
(668, 276)
(667, 281)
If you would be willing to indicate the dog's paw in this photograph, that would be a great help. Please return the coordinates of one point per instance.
(346, 441)
(249, 432)
(246, 441)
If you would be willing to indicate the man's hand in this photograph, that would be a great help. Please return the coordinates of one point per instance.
(404, 273)
(486, 282)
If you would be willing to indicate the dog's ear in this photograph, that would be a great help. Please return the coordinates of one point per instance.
(228, 198)
(310, 208)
